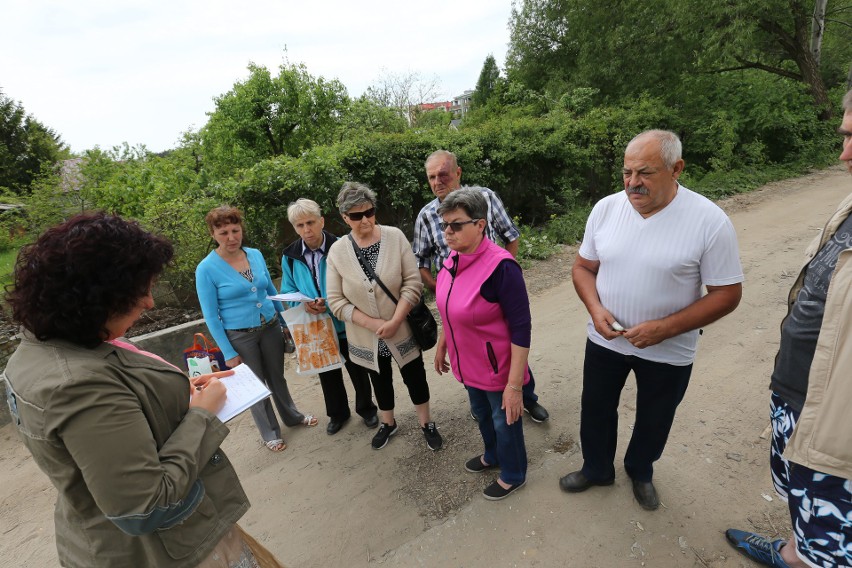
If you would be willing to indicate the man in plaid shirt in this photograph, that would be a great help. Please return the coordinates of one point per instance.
(430, 248)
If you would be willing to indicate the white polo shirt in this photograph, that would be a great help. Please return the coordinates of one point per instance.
(651, 268)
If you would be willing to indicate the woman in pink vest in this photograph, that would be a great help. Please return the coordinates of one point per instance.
(486, 314)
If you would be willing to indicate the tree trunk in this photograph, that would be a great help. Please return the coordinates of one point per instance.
(849, 79)
(817, 30)
(816, 86)
(797, 47)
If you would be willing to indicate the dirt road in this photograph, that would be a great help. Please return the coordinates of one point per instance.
(333, 501)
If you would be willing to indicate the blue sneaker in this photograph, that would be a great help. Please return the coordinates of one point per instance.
(757, 547)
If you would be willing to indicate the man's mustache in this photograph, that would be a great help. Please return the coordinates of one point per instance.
(637, 190)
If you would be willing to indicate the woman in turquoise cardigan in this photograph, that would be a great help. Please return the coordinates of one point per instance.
(232, 284)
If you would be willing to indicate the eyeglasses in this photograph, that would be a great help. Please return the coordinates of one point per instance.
(361, 214)
(456, 226)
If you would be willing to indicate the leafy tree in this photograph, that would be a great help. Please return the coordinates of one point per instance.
(365, 115)
(541, 49)
(435, 118)
(622, 48)
(26, 147)
(487, 82)
(782, 37)
(116, 179)
(267, 116)
(627, 47)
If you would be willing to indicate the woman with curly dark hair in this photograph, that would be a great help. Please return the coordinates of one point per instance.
(129, 443)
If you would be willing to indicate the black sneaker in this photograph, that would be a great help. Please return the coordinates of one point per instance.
(537, 412)
(433, 439)
(380, 440)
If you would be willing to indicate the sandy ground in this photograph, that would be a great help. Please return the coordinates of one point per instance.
(333, 501)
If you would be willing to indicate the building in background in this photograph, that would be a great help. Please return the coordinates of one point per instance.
(461, 103)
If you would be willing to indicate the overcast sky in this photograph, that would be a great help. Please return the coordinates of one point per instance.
(106, 72)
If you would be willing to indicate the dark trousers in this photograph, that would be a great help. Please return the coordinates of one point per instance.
(413, 375)
(659, 389)
(528, 394)
(334, 391)
(504, 443)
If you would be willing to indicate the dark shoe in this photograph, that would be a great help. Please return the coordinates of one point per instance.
(372, 421)
(380, 440)
(475, 465)
(537, 412)
(757, 547)
(495, 491)
(646, 495)
(575, 482)
(433, 439)
(334, 426)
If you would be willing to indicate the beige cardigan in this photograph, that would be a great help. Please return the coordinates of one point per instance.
(347, 288)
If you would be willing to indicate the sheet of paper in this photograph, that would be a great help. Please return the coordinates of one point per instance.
(291, 297)
(244, 389)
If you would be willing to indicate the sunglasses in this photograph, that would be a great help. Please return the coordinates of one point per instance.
(361, 214)
(456, 226)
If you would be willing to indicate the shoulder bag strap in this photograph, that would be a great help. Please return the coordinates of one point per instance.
(369, 269)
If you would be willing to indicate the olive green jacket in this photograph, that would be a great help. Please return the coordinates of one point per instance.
(141, 479)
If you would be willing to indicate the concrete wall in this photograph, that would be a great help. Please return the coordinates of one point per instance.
(170, 343)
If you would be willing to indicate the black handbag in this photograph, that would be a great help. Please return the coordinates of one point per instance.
(424, 328)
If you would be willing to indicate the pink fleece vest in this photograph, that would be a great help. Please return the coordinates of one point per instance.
(478, 339)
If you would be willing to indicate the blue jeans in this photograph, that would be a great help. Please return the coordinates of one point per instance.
(504, 443)
(528, 392)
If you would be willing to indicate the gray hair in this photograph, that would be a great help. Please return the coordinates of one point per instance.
(670, 145)
(469, 199)
(303, 208)
(445, 154)
(847, 102)
(353, 194)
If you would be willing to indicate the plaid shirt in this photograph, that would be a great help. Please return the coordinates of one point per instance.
(429, 245)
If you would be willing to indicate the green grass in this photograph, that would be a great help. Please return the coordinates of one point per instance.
(7, 264)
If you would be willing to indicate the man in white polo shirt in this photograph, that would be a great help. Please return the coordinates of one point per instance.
(646, 254)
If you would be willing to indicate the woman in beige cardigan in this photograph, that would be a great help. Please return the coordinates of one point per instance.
(375, 326)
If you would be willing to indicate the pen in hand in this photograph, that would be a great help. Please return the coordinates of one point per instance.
(201, 381)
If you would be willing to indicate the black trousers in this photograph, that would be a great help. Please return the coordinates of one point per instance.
(334, 391)
(413, 375)
(659, 389)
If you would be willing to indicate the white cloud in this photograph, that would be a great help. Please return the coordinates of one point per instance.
(101, 73)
